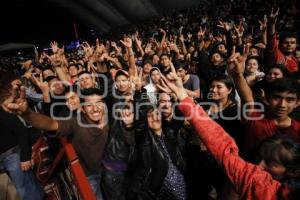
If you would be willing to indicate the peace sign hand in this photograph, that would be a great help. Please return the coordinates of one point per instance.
(236, 62)
(16, 103)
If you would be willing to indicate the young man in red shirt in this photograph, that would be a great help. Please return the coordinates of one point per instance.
(285, 52)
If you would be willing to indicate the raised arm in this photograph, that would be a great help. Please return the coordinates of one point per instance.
(272, 45)
(236, 67)
(58, 62)
(127, 42)
(250, 181)
(139, 44)
(17, 104)
(263, 29)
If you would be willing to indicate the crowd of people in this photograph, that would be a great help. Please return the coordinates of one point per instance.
(197, 104)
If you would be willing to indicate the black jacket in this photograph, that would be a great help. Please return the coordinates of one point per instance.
(152, 163)
(121, 143)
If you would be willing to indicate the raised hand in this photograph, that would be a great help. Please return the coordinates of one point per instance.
(138, 80)
(54, 47)
(174, 83)
(174, 47)
(263, 25)
(137, 40)
(163, 87)
(236, 62)
(16, 103)
(224, 25)
(273, 15)
(88, 50)
(162, 31)
(181, 38)
(127, 42)
(201, 33)
(239, 30)
(43, 85)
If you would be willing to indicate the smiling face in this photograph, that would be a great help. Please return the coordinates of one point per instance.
(93, 108)
(72, 100)
(218, 91)
(281, 104)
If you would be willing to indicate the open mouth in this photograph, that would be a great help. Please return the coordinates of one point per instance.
(96, 114)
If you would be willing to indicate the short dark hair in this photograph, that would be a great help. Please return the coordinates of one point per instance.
(84, 72)
(72, 88)
(89, 92)
(50, 78)
(285, 35)
(181, 64)
(284, 85)
(147, 61)
(228, 83)
(164, 54)
(47, 67)
(74, 65)
(121, 72)
(282, 68)
(282, 150)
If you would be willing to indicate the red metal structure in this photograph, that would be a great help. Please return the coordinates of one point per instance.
(67, 152)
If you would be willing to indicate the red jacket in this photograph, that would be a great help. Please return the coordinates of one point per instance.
(275, 56)
(250, 181)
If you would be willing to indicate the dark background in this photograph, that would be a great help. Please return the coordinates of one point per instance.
(41, 21)
(36, 21)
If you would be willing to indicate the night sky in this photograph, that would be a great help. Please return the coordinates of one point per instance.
(36, 21)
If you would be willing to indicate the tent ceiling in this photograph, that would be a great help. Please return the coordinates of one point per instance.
(106, 14)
